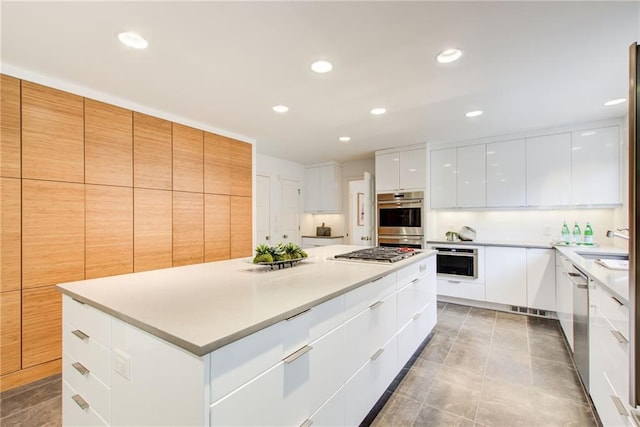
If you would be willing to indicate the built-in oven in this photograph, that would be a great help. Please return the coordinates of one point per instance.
(400, 219)
(457, 262)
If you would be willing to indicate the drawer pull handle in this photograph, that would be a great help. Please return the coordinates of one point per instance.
(80, 368)
(415, 316)
(376, 304)
(80, 402)
(78, 301)
(617, 300)
(379, 278)
(621, 339)
(582, 286)
(453, 281)
(306, 423)
(619, 406)
(377, 354)
(80, 334)
(415, 281)
(296, 354)
(299, 314)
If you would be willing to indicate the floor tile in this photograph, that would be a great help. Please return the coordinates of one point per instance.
(543, 325)
(550, 347)
(511, 320)
(454, 397)
(509, 366)
(30, 396)
(437, 350)
(505, 404)
(48, 412)
(471, 357)
(510, 339)
(430, 416)
(398, 411)
(475, 335)
(456, 308)
(557, 379)
(553, 411)
(418, 381)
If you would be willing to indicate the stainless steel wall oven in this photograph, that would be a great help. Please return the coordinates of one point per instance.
(400, 219)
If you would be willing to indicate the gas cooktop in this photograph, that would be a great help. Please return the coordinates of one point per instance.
(378, 254)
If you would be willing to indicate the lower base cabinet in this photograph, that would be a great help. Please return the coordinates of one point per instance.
(327, 366)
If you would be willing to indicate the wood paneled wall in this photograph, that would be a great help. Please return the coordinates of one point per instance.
(90, 190)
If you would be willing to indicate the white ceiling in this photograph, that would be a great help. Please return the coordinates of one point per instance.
(527, 65)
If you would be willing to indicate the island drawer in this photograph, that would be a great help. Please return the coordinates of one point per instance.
(412, 272)
(91, 355)
(87, 319)
(360, 299)
(85, 383)
(73, 414)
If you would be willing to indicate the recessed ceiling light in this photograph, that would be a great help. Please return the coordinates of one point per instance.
(322, 66)
(449, 55)
(345, 138)
(280, 108)
(133, 40)
(615, 102)
(475, 113)
(378, 111)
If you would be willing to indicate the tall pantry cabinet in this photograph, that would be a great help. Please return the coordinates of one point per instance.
(90, 190)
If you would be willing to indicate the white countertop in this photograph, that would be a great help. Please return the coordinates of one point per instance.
(615, 282)
(504, 243)
(203, 307)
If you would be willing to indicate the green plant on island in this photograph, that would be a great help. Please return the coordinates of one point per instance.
(262, 254)
(279, 252)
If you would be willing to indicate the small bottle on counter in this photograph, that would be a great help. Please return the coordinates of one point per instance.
(565, 236)
(577, 235)
(588, 235)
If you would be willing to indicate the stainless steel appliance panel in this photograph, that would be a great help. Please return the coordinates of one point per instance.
(396, 241)
(457, 262)
(580, 285)
(401, 214)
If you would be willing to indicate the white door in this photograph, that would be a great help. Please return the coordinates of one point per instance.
(290, 212)
(263, 212)
(361, 211)
(369, 211)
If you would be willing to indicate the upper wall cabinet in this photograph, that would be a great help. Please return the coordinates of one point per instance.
(52, 134)
(10, 127)
(401, 170)
(151, 152)
(108, 144)
(506, 176)
(188, 158)
(595, 166)
(472, 176)
(549, 170)
(443, 179)
(323, 188)
(228, 166)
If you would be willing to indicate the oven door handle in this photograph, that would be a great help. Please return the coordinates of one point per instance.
(401, 204)
(461, 254)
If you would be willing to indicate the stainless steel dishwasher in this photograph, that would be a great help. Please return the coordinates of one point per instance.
(580, 285)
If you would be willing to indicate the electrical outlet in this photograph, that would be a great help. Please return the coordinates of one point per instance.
(122, 364)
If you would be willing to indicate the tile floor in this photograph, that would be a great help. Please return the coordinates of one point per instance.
(481, 368)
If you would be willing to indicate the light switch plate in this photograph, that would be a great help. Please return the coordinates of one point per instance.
(122, 364)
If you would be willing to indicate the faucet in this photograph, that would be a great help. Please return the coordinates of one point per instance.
(612, 234)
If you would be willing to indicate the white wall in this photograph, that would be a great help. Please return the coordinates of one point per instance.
(277, 169)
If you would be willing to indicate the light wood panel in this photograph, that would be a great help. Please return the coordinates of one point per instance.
(241, 227)
(217, 164)
(10, 262)
(108, 144)
(151, 152)
(241, 154)
(52, 232)
(52, 134)
(9, 331)
(29, 375)
(217, 227)
(109, 230)
(240, 164)
(188, 158)
(241, 181)
(152, 229)
(10, 127)
(188, 228)
(41, 325)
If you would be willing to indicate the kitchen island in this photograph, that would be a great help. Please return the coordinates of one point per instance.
(232, 343)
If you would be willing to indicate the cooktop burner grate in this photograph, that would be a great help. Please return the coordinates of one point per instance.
(378, 254)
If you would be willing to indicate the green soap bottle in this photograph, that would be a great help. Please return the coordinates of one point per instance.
(577, 235)
(588, 235)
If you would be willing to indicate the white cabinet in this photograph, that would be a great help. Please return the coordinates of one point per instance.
(401, 170)
(443, 181)
(541, 279)
(506, 165)
(471, 176)
(506, 275)
(549, 170)
(323, 185)
(564, 297)
(595, 166)
(314, 242)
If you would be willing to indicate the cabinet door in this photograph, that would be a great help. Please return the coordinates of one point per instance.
(10, 126)
(151, 152)
(549, 170)
(472, 176)
(10, 232)
(188, 228)
(217, 164)
(108, 144)
(506, 275)
(241, 227)
(330, 189)
(109, 228)
(312, 189)
(387, 172)
(53, 232)
(412, 167)
(595, 166)
(152, 229)
(52, 134)
(241, 169)
(10, 331)
(506, 174)
(188, 159)
(541, 279)
(41, 325)
(217, 227)
(443, 182)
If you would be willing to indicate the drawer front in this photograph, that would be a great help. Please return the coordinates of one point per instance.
(615, 358)
(331, 413)
(617, 313)
(327, 371)
(94, 392)
(89, 320)
(407, 304)
(411, 273)
(612, 409)
(361, 298)
(326, 316)
(92, 355)
(73, 414)
(359, 344)
(460, 289)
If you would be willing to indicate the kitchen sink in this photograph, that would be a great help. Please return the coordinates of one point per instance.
(596, 255)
